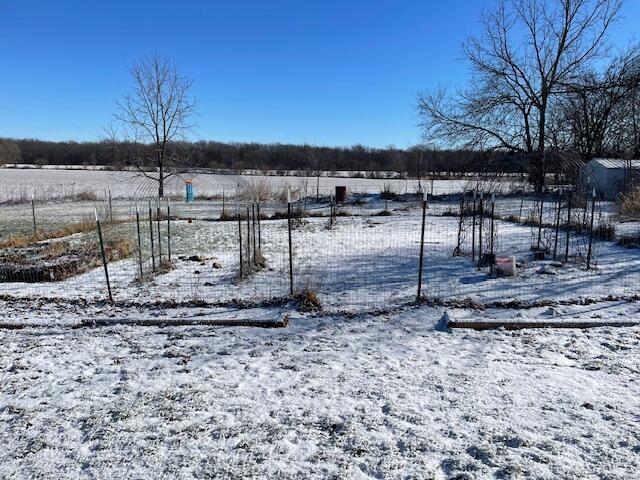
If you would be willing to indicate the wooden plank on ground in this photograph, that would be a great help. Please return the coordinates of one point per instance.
(511, 325)
(156, 322)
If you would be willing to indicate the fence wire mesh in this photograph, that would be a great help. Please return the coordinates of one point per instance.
(246, 243)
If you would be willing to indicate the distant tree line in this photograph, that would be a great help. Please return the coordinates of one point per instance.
(414, 161)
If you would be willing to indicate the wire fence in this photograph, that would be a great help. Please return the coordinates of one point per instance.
(367, 250)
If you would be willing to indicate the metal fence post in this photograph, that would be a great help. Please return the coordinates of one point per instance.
(458, 245)
(139, 245)
(33, 213)
(290, 243)
(491, 251)
(259, 227)
(566, 247)
(253, 224)
(169, 229)
(240, 239)
(541, 218)
(480, 225)
(559, 208)
(421, 263)
(110, 207)
(249, 268)
(593, 209)
(158, 216)
(104, 256)
(153, 255)
(473, 228)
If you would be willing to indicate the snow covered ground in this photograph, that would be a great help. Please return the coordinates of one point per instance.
(364, 262)
(369, 387)
(385, 396)
(48, 183)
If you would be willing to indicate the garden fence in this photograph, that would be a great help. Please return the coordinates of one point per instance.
(364, 252)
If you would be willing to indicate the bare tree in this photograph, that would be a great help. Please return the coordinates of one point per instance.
(594, 113)
(154, 118)
(529, 51)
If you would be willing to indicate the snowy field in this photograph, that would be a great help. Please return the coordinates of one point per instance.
(328, 397)
(45, 184)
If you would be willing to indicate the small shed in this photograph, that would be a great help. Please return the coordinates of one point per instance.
(609, 176)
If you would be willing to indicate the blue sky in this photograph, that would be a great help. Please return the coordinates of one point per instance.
(320, 72)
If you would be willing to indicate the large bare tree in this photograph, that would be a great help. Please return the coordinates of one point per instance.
(154, 118)
(592, 119)
(529, 51)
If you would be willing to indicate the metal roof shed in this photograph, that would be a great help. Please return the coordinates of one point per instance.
(609, 176)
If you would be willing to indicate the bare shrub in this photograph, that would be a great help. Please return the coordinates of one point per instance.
(387, 192)
(308, 300)
(629, 203)
(605, 231)
(258, 189)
